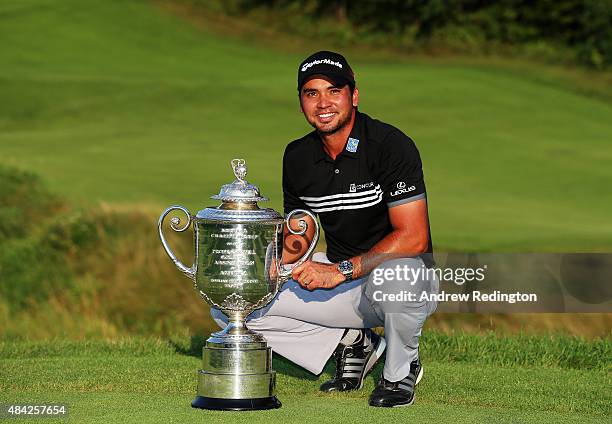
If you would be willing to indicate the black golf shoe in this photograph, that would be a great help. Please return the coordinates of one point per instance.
(398, 393)
(354, 361)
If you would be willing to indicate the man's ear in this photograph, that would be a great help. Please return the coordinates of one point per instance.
(355, 97)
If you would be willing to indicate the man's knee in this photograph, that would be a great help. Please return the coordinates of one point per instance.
(400, 285)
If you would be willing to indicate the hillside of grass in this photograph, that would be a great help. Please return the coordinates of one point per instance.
(123, 103)
(151, 380)
(112, 110)
(90, 272)
(80, 273)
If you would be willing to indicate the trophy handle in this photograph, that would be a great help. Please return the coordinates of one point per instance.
(285, 275)
(175, 225)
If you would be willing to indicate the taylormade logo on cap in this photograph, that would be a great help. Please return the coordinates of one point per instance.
(318, 62)
(332, 65)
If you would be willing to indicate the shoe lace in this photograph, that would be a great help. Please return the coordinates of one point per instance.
(386, 384)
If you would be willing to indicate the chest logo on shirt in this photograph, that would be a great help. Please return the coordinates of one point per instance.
(351, 145)
(355, 187)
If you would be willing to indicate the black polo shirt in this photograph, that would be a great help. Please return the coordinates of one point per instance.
(379, 168)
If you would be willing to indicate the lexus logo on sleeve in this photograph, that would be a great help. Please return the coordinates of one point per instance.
(401, 189)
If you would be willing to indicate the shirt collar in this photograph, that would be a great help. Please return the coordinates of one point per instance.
(354, 139)
(354, 144)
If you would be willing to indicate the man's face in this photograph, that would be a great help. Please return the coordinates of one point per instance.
(327, 107)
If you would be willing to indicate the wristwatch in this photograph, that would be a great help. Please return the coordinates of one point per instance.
(346, 268)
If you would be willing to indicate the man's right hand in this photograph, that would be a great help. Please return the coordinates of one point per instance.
(315, 275)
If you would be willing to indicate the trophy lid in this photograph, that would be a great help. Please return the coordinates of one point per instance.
(239, 200)
(240, 190)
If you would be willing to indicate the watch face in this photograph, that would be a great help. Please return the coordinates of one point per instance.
(345, 267)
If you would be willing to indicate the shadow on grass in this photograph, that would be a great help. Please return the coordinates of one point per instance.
(284, 366)
(192, 348)
(280, 364)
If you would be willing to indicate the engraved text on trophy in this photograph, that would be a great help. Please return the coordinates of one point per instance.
(231, 259)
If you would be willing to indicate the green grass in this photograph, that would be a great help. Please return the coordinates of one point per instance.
(554, 351)
(146, 380)
(117, 101)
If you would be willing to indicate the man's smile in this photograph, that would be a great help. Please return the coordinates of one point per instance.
(325, 117)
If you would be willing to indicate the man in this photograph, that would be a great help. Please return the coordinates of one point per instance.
(363, 179)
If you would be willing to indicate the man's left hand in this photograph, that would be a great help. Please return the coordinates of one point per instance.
(315, 275)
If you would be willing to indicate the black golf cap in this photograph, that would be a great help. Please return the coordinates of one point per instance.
(330, 64)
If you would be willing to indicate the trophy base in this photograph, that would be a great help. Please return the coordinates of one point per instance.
(218, 404)
(236, 372)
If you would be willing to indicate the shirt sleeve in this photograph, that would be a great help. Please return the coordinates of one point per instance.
(402, 174)
(291, 200)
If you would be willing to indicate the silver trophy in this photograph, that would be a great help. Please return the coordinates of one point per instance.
(237, 269)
